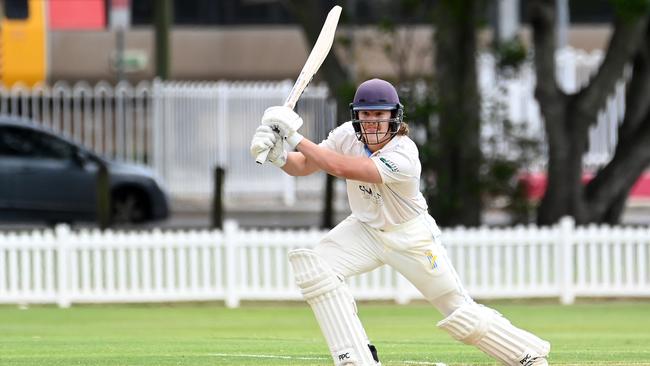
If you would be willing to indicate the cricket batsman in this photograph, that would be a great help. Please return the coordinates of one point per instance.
(389, 224)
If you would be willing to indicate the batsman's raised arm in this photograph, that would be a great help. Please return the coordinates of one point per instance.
(297, 165)
(359, 168)
(311, 157)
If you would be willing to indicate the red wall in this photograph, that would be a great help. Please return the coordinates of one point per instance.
(535, 184)
(77, 14)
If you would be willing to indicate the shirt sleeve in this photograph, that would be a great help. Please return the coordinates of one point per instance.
(334, 139)
(397, 167)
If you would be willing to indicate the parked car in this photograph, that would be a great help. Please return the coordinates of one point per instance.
(48, 178)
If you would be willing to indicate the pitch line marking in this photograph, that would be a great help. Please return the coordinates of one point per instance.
(245, 355)
(266, 356)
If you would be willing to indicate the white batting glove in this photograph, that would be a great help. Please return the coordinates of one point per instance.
(285, 122)
(277, 156)
(265, 139)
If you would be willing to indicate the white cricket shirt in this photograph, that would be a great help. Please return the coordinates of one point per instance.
(398, 198)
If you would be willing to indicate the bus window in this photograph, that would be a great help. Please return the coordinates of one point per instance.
(16, 9)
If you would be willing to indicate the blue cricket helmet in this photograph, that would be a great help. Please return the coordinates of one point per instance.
(376, 95)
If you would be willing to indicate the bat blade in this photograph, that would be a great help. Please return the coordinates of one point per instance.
(316, 57)
(314, 61)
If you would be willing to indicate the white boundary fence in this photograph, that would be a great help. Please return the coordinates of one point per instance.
(65, 267)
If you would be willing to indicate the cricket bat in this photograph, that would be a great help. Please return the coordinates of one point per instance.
(315, 59)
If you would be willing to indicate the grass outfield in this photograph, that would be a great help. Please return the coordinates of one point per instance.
(614, 333)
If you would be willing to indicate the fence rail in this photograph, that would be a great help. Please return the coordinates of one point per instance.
(112, 120)
(64, 267)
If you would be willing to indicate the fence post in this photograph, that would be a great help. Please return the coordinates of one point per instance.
(230, 235)
(61, 238)
(156, 148)
(567, 228)
(103, 194)
(217, 198)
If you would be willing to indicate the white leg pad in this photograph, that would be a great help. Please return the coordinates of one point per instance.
(493, 334)
(333, 307)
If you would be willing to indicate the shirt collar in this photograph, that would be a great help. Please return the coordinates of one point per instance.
(367, 150)
(389, 144)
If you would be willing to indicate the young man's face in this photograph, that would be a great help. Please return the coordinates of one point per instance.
(374, 125)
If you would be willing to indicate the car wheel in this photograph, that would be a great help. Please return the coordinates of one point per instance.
(128, 207)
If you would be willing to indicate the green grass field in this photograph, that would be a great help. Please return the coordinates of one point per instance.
(613, 333)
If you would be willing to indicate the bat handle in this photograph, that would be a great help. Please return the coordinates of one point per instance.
(261, 157)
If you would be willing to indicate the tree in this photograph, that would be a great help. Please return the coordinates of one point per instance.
(567, 117)
(450, 155)
(457, 197)
(162, 21)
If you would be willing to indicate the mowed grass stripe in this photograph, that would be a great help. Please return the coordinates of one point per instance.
(612, 333)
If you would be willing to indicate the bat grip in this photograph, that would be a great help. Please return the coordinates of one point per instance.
(291, 103)
(261, 157)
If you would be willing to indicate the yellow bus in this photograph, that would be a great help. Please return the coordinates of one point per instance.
(23, 42)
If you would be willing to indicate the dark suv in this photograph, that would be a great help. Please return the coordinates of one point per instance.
(48, 178)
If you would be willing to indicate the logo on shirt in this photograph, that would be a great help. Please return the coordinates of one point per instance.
(369, 194)
(432, 259)
(392, 166)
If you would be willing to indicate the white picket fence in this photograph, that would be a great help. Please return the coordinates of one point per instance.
(64, 267)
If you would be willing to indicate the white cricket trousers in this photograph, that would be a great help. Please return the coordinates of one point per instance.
(412, 248)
